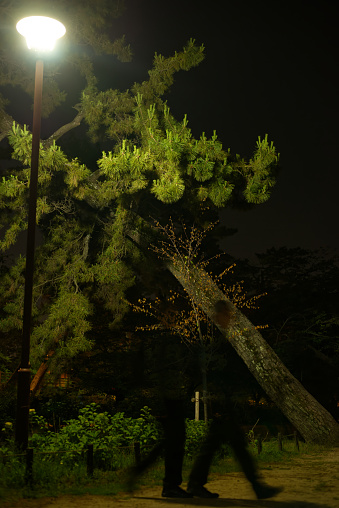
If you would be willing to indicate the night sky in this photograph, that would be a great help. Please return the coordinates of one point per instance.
(270, 67)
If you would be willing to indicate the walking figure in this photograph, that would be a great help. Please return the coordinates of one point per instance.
(223, 429)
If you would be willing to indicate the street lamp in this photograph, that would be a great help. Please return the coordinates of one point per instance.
(40, 33)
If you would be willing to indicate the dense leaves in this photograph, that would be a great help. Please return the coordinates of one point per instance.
(85, 218)
(112, 435)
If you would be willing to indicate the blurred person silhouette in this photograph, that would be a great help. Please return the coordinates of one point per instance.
(222, 429)
(225, 429)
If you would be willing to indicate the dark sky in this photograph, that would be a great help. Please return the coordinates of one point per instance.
(271, 67)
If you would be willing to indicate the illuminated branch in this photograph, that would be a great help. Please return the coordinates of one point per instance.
(64, 129)
(7, 121)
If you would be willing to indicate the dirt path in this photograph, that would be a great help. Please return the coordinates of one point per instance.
(309, 482)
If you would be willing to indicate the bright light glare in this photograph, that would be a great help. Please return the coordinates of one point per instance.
(41, 33)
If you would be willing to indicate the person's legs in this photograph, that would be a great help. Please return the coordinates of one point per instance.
(226, 430)
(238, 443)
(222, 430)
(236, 438)
(174, 444)
(201, 466)
(210, 445)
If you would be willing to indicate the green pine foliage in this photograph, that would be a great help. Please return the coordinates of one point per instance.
(86, 216)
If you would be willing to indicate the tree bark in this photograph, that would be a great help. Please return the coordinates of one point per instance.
(312, 420)
(40, 374)
(7, 121)
(63, 130)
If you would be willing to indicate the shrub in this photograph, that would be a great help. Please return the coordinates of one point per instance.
(195, 434)
(113, 437)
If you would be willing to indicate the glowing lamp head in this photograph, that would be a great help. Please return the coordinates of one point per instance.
(41, 33)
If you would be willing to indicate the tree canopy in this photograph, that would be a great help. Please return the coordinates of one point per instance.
(87, 214)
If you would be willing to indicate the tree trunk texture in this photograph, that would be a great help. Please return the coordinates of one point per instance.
(40, 374)
(63, 130)
(311, 419)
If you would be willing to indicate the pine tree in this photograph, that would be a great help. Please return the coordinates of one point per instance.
(91, 217)
(85, 214)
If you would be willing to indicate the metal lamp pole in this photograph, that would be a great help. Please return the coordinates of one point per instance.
(24, 372)
(40, 33)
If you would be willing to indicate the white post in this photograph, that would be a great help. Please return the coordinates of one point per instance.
(197, 406)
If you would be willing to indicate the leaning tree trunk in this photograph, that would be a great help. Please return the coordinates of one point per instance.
(309, 417)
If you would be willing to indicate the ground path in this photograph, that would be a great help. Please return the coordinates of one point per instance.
(311, 481)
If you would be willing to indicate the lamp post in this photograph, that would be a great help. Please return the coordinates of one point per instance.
(41, 34)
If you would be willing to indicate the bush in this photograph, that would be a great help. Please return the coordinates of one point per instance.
(113, 437)
(63, 454)
(195, 434)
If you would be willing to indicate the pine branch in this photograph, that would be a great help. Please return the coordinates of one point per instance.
(64, 129)
(7, 123)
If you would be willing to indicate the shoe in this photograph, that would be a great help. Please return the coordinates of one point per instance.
(175, 491)
(263, 491)
(201, 491)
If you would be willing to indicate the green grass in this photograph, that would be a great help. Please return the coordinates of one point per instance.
(57, 477)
